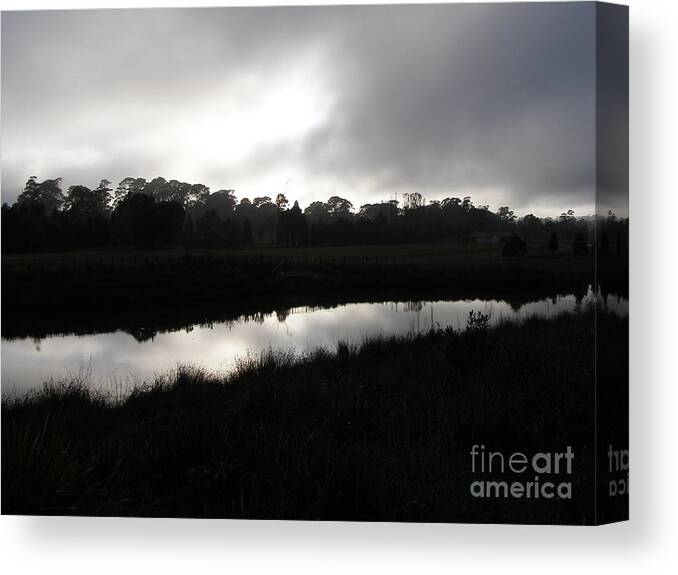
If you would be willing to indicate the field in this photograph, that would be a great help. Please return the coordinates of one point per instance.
(274, 255)
(378, 432)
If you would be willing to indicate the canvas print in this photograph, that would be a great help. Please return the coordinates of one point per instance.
(363, 263)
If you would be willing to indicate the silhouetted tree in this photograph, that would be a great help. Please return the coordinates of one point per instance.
(505, 215)
(413, 201)
(47, 194)
(281, 201)
(293, 227)
(82, 200)
(258, 202)
(317, 212)
(197, 195)
(568, 217)
(339, 207)
(223, 202)
(128, 186)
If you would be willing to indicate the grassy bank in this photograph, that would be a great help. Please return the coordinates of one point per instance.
(379, 432)
(79, 289)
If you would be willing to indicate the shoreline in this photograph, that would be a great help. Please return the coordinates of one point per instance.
(105, 296)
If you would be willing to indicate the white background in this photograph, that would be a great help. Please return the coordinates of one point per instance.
(648, 543)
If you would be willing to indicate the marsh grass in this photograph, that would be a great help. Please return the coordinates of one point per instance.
(376, 431)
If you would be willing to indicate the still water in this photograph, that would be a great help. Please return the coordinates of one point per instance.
(115, 360)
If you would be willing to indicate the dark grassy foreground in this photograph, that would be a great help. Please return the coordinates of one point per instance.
(381, 432)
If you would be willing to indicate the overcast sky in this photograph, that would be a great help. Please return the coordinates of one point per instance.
(493, 101)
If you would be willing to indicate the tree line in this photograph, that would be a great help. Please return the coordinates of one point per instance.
(155, 213)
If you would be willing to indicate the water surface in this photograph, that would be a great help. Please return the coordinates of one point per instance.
(115, 360)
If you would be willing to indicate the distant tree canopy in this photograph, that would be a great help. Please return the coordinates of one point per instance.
(140, 213)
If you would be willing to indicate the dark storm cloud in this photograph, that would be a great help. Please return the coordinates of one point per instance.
(472, 97)
(496, 101)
